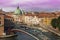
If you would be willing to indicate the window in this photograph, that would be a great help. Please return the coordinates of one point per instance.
(0, 22)
(0, 17)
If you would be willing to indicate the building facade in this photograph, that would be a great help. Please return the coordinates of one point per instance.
(1, 23)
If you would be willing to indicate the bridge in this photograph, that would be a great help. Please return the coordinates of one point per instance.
(48, 28)
(19, 30)
(41, 26)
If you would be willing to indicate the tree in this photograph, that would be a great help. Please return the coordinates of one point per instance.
(58, 22)
(54, 23)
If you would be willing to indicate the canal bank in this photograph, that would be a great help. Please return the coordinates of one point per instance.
(39, 33)
(8, 37)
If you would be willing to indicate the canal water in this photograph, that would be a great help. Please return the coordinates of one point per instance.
(20, 36)
(36, 32)
(39, 34)
(23, 36)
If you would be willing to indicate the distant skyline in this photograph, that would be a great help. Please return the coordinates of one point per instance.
(30, 5)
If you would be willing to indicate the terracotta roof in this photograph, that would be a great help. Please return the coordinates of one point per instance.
(1, 14)
(42, 14)
(46, 15)
(57, 13)
(6, 16)
(29, 14)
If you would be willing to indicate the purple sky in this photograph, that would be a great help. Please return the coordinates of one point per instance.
(8, 5)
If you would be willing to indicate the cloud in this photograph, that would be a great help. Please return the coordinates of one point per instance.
(30, 3)
(7, 9)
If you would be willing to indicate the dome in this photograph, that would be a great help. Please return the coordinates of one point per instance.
(18, 11)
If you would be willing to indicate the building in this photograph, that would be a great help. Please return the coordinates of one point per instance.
(57, 13)
(1, 23)
(30, 18)
(17, 15)
(46, 18)
(8, 17)
(8, 24)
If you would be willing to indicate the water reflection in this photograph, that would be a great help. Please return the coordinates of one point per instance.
(23, 36)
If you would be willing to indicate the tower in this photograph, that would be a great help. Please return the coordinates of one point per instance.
(18, 11)
(17, 15)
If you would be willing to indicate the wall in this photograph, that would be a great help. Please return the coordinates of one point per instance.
(1, 24)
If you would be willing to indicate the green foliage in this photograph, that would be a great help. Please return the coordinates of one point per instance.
(59, 19)
(56, 22)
